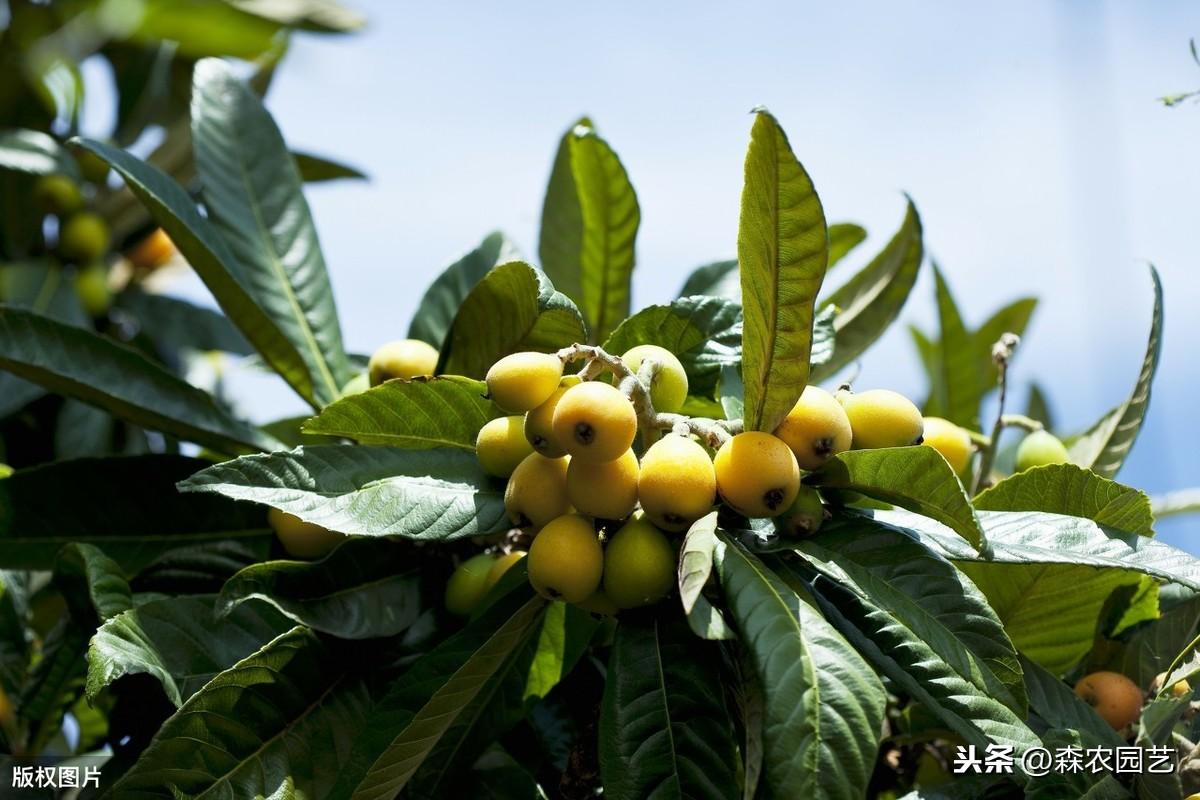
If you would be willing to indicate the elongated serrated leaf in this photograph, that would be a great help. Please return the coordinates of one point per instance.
(132, 528)
(1184, 501)
(319, 169)
(959, 380)
(908, 659)
(718, 279)
(916, 478)
(1068, 489)
(36, 153)
(705, 333)
(176, 324)
(783, 249)
(1104, 446)
(421, 413)
(366, 588)
(844, 237)
(696, 559)
(871, 300)
(181, 641)
(589, 224)
(534, 317)
(119, 380)
(664, 732)
(823, 705)
(94, 585)
(368, 491)
(440, 303)
(273, 725)
(205, 250)
(255, 200)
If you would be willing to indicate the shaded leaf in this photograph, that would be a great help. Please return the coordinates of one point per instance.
(176, 324)
(718, 279)
(36, 153)
(844, 237)
(94, 585)
(318, 169)
(438, 306)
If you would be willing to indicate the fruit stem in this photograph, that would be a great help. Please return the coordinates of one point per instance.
(713, 431)
(1002, 353)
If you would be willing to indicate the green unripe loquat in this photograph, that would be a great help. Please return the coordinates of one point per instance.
(639, 565)
(605, 489)
(523, 381)
(57, 194)
(502, 565)
(757, 474)
(356, 385)
(468, 584)
(501, 445)
(91, 286)
(669, 386)
(599, 604)
(595, 422)
(566, 560)
(405, 358)
(677, 484)
(83, 238)
(537, 491)
(539, 422)
(805, 515)
(5, 470)
(950, 440)
(93, 167)
(816, 428)
(1040, 448)
(882, 418)
(301, 539)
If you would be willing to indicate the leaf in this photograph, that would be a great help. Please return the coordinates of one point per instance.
(36, 153)
(871, 300)
(14, 643)
(54, 682)
(1184, 501)
(255, 200)
(103, 373)
(960, 379)
(916, 478)
(427, 495)
(1060, 707)
(844, 237)
(420, 413)
(783, 250)
(176, 324)
(718, 279)
(1012, 318)
(590, 220)
(664, 731)
(205, 29)
(319, 169)
(705, 333)
(441, 301)
(197, 239)
(131, 527)
(272, 725)
(95, 586)
(1038, 406)
(824, 706)
(320, 16)
(696, 559)
(1104, 446)
(536, 317)
(426, 701)
(731, 393)
(366, 588)
(824, 336)
(1068, 489)
(178, 640)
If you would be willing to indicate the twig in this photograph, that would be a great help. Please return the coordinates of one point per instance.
(1002, 353)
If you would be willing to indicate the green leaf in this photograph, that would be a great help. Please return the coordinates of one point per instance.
(181, 641)
(14, 642)
(916, 478)
(1104, 446)
(718, 279)
(420, 413)
(320, 16)
(366, 588)
(1068, 489)
(275, 724)
(423, 705)
(120, 380)
(731, 393)
(427, 495)
(255, 200)
(783, 249)
(696, 559)
(824, 706)
(204, 28)
(566, 631)
(36, 153)
(1038, 406)
(1060, 707)
(589, 223)
(1184, 501)
(318, 169)
(176, 324)
(205, 250)
(664, 728)
(844, 237)
(93, 584)
(871, 300)
(824, 336)
(959, 383)
(441, 301)
(705, 333)
(131, 527)
(535, 317)
(54, 683)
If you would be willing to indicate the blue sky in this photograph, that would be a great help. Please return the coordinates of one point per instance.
(1027, 133)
